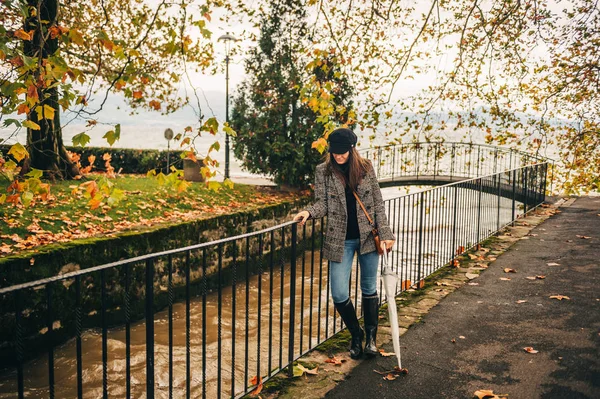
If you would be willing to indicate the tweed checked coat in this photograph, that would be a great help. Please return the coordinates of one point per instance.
(330, 201)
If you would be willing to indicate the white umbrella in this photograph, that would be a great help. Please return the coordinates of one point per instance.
(390, 280)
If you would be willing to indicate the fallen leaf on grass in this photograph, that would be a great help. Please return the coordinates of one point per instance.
(455, 263)
(491, 258)
(487, 394)
(504, 278)
(529, 349)
(553, 264)
(334, 360)
(559, 297)
(475, 257)
(509, 270)
(471, 276)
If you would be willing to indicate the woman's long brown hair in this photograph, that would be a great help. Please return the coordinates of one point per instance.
(358, 167)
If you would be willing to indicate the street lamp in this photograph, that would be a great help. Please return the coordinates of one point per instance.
(227, 39)
(169, 137)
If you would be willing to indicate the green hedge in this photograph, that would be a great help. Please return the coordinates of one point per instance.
(127, 159)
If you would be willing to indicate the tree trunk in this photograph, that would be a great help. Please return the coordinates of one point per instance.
(46, 149)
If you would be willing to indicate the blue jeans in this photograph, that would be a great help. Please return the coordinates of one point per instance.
(339, 275)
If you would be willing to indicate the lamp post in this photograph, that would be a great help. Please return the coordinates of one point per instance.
(169, 137)
(227, 39)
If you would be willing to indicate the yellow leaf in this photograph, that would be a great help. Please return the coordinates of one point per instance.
(18, 152)
(228, 183)
(45, 112)
(31, 125)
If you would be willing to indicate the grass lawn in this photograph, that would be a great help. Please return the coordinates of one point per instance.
(66, 215)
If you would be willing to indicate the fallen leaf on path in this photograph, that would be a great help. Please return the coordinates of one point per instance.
(504, 278)
(529, 349)
(473, 283)
(453, 340)
(471, 276)
(509, 270)
(540, 277)
(559, 297)
(553, 264)
(300, 370)
(522, 301)
(334, 360)
(462, 337)
(390, 377)
(487, 394)
(583, 237)
(386, 354)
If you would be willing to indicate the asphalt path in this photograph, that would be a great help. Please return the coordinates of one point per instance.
(474, 339)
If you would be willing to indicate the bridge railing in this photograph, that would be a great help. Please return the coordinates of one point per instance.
(205, 320)
(446, 161)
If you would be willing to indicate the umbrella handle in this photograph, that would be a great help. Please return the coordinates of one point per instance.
(384, 255)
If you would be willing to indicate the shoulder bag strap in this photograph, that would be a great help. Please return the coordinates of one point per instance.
(363, 208)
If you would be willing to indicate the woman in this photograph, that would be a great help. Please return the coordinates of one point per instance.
(348, 231)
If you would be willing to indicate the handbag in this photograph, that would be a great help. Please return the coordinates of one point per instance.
(374, 230)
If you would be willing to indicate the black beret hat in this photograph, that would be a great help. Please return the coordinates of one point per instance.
(341, 140)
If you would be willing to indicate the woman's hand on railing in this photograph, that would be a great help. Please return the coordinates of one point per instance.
(302, 217)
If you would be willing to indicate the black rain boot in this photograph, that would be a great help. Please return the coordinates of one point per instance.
(348, 315)
(371, 310)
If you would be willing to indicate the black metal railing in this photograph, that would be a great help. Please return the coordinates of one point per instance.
(204, 320)
(443, 161)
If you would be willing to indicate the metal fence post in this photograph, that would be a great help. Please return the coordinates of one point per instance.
(421, 218)
(292, 324)
(149, 328)
(514, 193)
(498, 179)
(480, 189)
(526, 188)
(455, 216)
